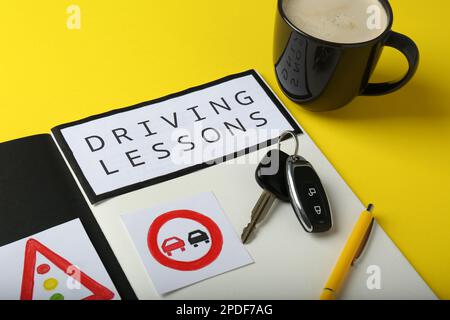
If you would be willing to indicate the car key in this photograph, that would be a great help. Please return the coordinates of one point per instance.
(307, 194)
(270, 175)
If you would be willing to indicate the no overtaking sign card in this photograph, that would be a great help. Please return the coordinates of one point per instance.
(185, 242)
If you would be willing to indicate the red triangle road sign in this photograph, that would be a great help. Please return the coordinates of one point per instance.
(33, 246)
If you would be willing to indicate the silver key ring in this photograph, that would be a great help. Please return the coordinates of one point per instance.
(287, 133)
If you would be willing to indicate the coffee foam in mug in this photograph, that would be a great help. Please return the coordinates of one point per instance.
(338, 21)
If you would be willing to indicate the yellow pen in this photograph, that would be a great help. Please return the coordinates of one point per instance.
(352, 250)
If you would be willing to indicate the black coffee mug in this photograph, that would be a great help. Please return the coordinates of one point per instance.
(322, 75)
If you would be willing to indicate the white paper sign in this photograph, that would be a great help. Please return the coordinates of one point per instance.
(185, 241)
(57, 264)
(154, 140)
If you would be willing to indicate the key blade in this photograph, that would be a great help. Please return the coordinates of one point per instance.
(254, 217)
(267, 206)
(259, 204)
(267, 209)
(261, 209)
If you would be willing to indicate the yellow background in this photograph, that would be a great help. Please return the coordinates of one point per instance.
(392, 150)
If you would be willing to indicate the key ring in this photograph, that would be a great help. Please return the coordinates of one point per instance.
(287, 133)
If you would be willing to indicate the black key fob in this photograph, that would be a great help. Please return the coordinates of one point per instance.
(307, 195)
(271, 174)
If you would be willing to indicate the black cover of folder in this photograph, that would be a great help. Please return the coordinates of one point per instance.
(38, 192)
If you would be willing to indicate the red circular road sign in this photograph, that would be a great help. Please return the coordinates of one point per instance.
(210, 225)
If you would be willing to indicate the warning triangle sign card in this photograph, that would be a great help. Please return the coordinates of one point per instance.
(57, 264)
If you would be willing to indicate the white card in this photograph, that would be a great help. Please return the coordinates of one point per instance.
(150, 143)
(57, 264)
(186, 241)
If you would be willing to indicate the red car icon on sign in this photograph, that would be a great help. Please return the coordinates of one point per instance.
(172, 244)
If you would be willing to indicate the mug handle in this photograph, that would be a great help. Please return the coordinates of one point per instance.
(409, 49)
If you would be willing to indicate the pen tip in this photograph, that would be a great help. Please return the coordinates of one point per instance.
(370, 208)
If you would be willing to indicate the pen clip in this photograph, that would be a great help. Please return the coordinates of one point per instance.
(366, 237)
